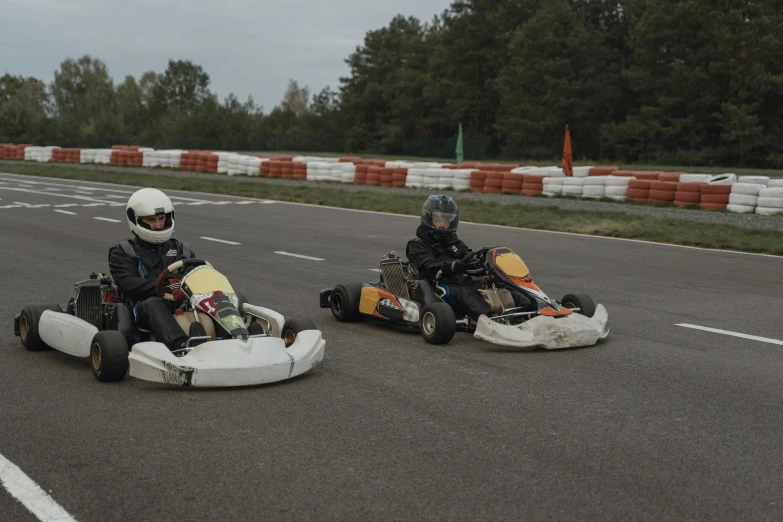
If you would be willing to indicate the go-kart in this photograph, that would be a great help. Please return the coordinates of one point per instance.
(224, 348)
(404, 298)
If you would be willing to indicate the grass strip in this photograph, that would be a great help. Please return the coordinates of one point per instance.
(598, 223)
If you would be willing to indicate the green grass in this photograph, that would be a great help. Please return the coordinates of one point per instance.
(621, 166)
(603, 223)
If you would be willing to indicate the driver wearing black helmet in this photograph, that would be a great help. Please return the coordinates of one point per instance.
(436, 254)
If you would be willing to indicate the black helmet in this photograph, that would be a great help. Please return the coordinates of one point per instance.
(440, 216)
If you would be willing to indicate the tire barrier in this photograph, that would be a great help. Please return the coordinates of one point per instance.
(770, 201)
(741, 194)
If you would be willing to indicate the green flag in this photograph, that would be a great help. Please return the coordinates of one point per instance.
(460, 152)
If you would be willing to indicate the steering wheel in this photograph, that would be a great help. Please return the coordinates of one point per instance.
(474, 258)
(176, 267)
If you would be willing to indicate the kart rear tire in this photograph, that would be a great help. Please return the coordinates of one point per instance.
(438, 323)
(109, 356)
(292, 327)
(579, 300)
(344, 302)
(29, 319)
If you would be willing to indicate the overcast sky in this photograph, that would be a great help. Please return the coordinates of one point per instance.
(248, 47)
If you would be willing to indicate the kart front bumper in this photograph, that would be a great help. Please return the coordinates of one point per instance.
(552, 333)
(228, 363)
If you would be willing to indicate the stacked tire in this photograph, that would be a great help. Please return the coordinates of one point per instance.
(688, 194)
(715, 196)
(662, 192)
(552, 186)
(770, 201)
(639, 190)
(744, 197)
(533, 184)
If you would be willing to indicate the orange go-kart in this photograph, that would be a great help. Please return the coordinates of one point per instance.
(404, 298)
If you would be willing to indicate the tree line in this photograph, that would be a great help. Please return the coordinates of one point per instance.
(695, 82)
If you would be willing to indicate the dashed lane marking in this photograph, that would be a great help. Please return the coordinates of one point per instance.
(221, 240)
(299, 256)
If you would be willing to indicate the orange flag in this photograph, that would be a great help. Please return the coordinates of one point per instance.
(568, 159)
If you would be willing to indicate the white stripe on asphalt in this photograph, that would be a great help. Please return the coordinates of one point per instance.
(299, 256)
(84, 198)
(220, 241)
(733, 334)
(30, 494)
(108, 219)
(65, 212)
(375, 269)
(66, 205)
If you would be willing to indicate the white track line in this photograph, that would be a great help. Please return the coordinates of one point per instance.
(299, 256)
(269, 201)
(220, 241)
(65, 212)
(30, 494)
(83, 198)
(108, 219)
(733, 334)
(374, 269)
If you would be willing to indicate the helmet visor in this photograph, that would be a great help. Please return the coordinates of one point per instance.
(444, 221)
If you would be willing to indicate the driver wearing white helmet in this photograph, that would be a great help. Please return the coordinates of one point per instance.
(136, 263)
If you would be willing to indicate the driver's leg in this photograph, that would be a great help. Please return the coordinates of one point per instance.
(157, 315)
(468, 299)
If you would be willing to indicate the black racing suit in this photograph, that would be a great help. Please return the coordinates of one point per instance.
(135, 279)
(430, 256)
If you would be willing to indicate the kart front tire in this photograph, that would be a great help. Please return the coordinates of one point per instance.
(29, 319)
(109, 356)
(579, 300)
(438, 323)
(292, 327)
(344, 302)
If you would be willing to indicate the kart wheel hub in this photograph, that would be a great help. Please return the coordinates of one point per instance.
(96, 356)
(24, 328)
(428, 323)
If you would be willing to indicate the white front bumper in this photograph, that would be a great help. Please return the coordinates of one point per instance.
(227, 363)
(547, 332)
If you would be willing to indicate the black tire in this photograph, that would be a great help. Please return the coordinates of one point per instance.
(344, 302)
(109, 356)
(579, 300)
(197, 330)
(438, 323)
(292, 327)
(255, 328)
(29, 320)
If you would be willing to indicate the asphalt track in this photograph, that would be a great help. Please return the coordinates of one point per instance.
(659, 422)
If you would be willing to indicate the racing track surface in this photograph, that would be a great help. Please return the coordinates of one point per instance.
(659, 422)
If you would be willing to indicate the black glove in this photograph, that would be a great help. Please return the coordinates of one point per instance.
(456, 266)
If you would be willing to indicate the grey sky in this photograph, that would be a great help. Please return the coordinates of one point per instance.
(247, 47)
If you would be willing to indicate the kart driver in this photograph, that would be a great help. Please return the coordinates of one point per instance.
(437, 251)
(136, 263)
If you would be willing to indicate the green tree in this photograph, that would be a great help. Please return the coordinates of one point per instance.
(186, 86)
(85, 103)
(556, 76)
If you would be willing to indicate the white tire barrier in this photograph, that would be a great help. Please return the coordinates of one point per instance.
(741, 209)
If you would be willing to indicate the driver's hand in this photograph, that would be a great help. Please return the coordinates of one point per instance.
(173, 283)
(457, 265)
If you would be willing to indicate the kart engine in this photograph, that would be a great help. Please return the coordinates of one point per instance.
(394, 276)
(87, 304)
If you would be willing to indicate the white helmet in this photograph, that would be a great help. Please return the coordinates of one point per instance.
(150, 202)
